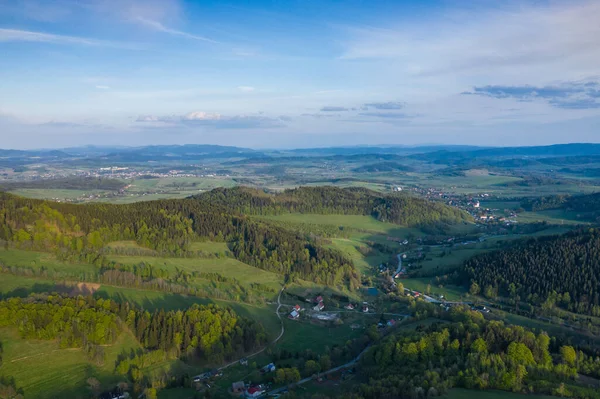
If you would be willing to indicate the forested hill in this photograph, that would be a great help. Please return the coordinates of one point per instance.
(589, 203)
(553, 271)
(203, 332)
(80, 232)
(472, 352)
(395, 208)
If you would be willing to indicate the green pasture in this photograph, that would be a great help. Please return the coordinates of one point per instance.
(209, 247)
(356, 222)
(37, 260)
(43, 370)
(301, 335)
(364, 264)
(450, 292)
(554, 216)
(60, 194)
(21, 286)
(227, 267)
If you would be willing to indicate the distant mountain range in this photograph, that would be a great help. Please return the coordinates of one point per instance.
(454, 154)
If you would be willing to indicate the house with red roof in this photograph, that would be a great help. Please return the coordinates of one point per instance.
(255, 391)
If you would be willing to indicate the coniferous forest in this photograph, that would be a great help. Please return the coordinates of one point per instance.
(460, 349)
(79, 232)
(562, 269)
(395, 208)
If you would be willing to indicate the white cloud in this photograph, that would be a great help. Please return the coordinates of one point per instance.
(213, 120)
(201, 116)
(16, 35)
(246, 89)
(523, 44)
(158, 26)
(102, 87)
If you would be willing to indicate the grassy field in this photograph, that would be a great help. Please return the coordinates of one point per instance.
(303, 287)
(227, 267)
(209, 246)
(35, 260)
(129, 244)
(556, 216)
(451, 293)
(43, 370)
(301, 335)
(456, 257)
(357, 222)
(358, 230)
(60, 194)
(349, 247)
(20, 286)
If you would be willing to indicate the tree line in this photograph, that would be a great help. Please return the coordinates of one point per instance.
(562, 269)
(80, 232)
(588, 203)
(394, 208)
(473, 353)
(200, 332)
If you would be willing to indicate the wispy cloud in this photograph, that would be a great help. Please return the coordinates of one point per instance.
(319, 116)
(16, 35)
(102, 87)
(385, 115)
(215, 120)
(545, 41)
(158, 26)
(334, 109)
(385, 106)
(246, 89)
(569, 95)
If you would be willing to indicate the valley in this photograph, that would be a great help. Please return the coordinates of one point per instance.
(328, 270)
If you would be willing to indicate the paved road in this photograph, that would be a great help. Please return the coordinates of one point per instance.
(272, 343)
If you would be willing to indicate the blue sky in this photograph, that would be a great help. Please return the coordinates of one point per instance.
(298, 73)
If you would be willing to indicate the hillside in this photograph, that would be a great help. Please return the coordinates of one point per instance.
(561, 270)
(80, 232)
(76, 183)
(396, 208)
(383, 167)
(588, 204)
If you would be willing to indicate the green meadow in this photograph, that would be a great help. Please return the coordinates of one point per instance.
(227, 267)
(43, 370)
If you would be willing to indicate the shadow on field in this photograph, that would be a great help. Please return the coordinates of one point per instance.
(166, 301)
(60, 288)
(23, 292)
